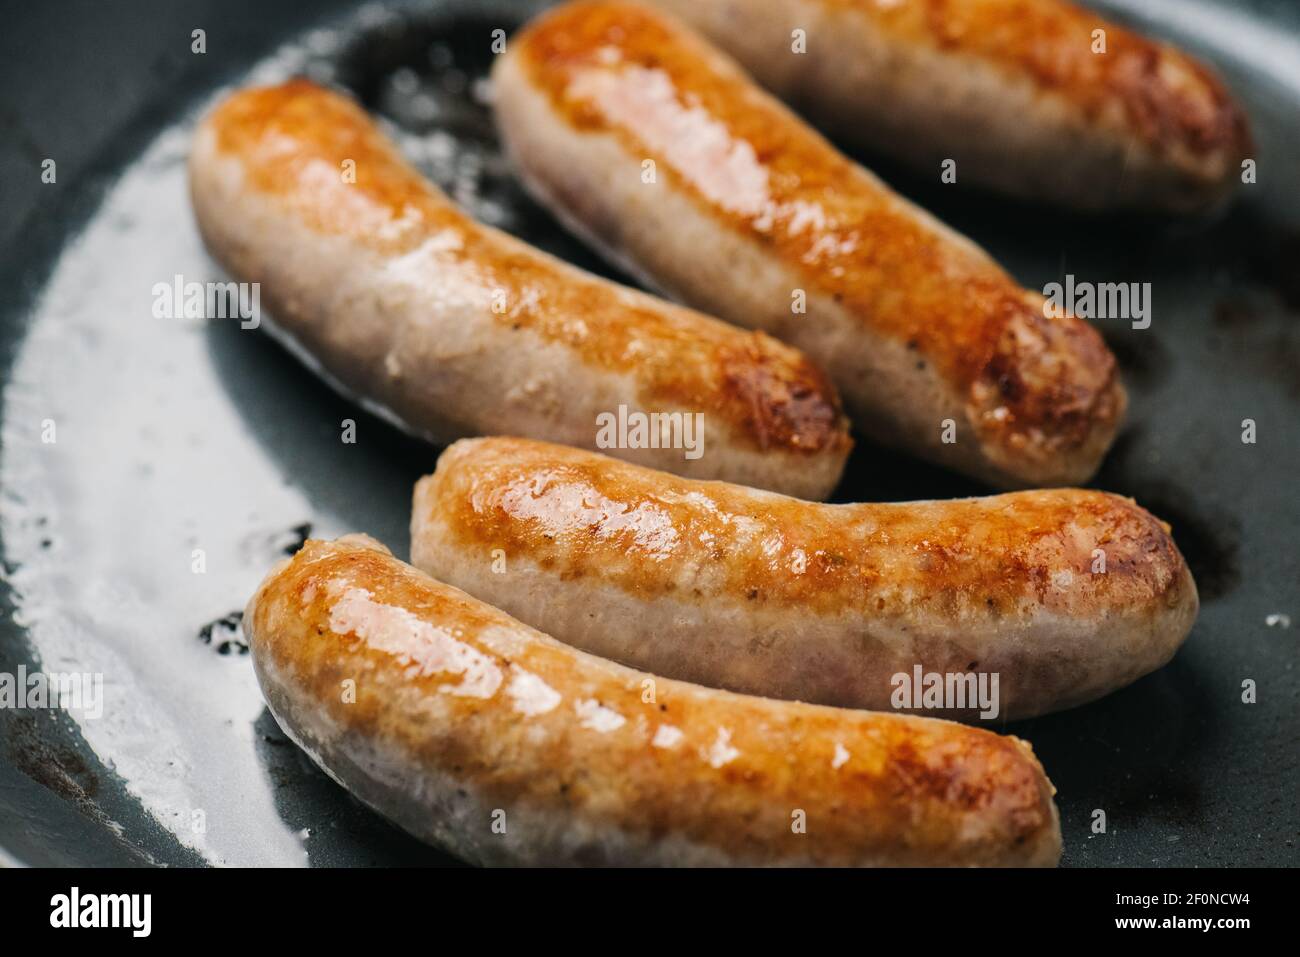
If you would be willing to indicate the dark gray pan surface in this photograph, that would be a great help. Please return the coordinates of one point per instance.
(175, 435)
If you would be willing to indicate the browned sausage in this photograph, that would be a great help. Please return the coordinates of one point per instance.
(1063, 594)
(498, 743)
(453, 328)
(1039, 99)
(750, 215)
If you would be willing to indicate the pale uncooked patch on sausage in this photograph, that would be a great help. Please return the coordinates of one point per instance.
(416, 643)
(592, 714)
(666, 736)
(531, 695)
(411, 271)
(721, 752)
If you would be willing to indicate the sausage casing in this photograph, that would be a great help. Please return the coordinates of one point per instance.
(661, 152)
(1064, 594)
(457, 329)
(477, 733)
(1038, 99)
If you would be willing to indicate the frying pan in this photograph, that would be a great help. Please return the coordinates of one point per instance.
(189, 455)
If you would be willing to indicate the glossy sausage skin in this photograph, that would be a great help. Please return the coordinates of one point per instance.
(464, 718)
(1012, 90)
(754, 217)
(457, 329)
(741, 589)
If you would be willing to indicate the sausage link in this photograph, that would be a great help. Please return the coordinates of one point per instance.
(1026, 96)
(1064, 594)
(659, 150)
(455, 329)
(476, 733)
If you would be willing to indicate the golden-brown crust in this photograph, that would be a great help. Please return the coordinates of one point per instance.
(1161, 96)
(292, 141)
(580, 515)
(1048, 388)
(875, 788)
(618, 69)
